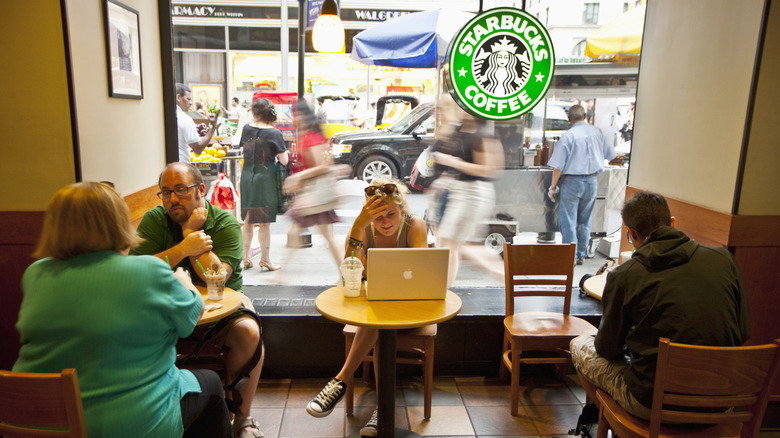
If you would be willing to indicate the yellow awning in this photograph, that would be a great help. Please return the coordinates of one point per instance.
(621, 36)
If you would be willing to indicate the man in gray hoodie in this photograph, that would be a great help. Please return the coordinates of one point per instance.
(671, 287)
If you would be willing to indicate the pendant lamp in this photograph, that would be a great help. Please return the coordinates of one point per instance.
(328, 33)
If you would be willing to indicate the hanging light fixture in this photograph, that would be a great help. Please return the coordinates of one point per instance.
(328, 33)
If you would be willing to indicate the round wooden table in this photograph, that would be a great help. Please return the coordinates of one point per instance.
(594, 286)
(231, 300)
(388, 317)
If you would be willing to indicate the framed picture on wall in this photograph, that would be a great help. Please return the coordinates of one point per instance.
(123, 51)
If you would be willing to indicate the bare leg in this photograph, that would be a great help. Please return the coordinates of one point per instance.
(264, 238)
(247, 232)
(454, 263)
(490, 262)
(365, 339)
(335, 251)
(242, 341)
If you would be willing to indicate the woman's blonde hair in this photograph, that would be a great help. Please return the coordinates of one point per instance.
(398, 197)
(85, 217)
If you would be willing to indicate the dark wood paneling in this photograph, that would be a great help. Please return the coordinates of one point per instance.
(755, 231)
(17, 243)
(142, 201)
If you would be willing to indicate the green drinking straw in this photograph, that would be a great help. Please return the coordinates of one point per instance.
(353, 260)
(166, 261)
(200, 266)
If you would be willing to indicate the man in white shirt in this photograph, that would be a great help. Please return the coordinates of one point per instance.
(188, 133)
(235, 111)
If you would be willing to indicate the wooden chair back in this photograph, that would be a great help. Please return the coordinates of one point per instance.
(538, 271)
(715, 378)
(41, 405)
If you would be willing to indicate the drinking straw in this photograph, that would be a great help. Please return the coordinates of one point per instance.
(166, 261)
(201, 266)
(353, 260)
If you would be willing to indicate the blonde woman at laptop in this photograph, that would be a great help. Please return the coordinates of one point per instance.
(385, 221)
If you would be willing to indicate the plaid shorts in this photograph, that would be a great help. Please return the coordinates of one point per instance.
(605, 374)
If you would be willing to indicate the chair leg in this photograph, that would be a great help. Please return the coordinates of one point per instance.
(428, 380)
(603, 426)
(502, 369)
(562, 367)
(349, 380)
(367, 371)
(515, 379)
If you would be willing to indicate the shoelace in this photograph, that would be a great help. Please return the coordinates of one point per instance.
(327, 395)
(373, 421)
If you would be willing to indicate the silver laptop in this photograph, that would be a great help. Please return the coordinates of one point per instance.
(407, 273)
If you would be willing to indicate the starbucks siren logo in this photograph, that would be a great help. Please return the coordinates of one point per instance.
(500, 64)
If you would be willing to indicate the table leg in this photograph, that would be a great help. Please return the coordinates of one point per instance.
(386, 388)
(386, 383)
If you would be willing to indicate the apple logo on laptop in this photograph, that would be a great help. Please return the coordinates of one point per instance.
(408, 274)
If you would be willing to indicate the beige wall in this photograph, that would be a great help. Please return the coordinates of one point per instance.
(760, 188)
(122, 140)
(694, 83)
(37, 142)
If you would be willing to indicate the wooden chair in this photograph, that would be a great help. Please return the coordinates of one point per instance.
(693, 376)
(417, 343)
(543, 270)
(41, 405)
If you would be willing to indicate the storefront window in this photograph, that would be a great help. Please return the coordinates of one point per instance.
(254, 38)
(199, 37)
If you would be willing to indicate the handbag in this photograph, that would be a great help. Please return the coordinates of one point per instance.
(422, 173)
(317, 196)
(222, 193)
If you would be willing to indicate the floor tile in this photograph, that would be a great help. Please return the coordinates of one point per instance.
(497, 421)
(268, 420)
(483, 391)
(296, 423)
(545, 391)
(353, 423)
(365, 394)
(303, 390)
(445, 420)
(445, 392)
(271, 393)
(554, 419)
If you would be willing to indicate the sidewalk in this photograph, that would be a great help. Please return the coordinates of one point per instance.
(314, 266)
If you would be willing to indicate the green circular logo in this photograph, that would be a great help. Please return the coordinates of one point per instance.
(500, 64)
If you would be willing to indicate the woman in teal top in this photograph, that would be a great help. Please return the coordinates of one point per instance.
(116, 320)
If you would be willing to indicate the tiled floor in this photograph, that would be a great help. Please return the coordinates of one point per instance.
(462, 407)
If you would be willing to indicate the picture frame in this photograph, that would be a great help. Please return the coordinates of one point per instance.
(123, 50)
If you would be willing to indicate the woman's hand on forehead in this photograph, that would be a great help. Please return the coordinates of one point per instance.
(377, 206)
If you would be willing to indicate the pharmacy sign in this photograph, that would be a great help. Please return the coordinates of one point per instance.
(500, 64)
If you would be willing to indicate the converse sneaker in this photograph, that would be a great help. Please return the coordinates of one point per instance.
(323, 404)
(370, 428)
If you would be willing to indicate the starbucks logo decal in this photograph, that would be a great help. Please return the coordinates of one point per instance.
(500, 64)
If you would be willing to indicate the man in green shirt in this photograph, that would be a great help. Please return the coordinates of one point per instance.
(186, 230)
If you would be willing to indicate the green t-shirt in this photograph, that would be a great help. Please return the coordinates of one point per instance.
(160, 233)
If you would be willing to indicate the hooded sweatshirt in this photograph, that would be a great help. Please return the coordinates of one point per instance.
(671, 287)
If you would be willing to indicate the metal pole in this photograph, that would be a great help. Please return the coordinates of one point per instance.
(301, 44)
(284, 38)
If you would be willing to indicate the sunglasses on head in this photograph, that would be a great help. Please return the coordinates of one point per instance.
(387, 189)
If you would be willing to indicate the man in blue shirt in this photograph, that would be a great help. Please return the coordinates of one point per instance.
(576, 160)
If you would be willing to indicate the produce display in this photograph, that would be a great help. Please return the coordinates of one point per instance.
(209, 155)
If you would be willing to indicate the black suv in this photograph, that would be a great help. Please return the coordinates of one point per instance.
(387, 153)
